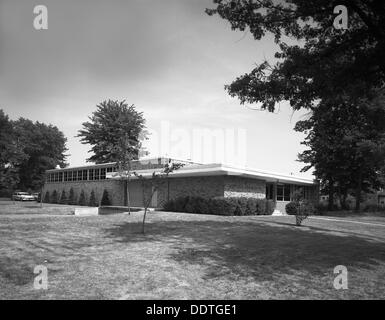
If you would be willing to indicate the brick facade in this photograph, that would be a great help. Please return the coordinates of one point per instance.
(244, 187)
(115, 189)
(206, 187)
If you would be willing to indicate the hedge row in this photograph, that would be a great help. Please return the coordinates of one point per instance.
(232, 206)
(72, 199)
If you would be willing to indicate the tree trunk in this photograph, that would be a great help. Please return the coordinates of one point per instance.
(41, 197)
(343, 200)
(144, 219)
(358, 191)
(146, 205)
(128, 199)
(331, 196)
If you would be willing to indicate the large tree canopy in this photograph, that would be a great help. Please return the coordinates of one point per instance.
(11, 154)
(322, 62)
(347, 146)
(44, 147)
(115, 132)
(27, 149)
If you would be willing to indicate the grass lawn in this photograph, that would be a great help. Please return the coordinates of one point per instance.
(186, 256)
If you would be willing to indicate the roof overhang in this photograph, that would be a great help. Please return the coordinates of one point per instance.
(222, 170)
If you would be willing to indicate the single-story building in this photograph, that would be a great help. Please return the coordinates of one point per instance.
(193, 179)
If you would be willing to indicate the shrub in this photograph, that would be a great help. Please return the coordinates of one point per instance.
(373, 207)
(71, 197)
(191, 205)
(54, 197)
(46, 197)
(180, 204)
(105, 199)
(301, 210)
(82, 199)
(250, 207)
(242, 207)
(270, 207)
(260, 207)
(169, 205)
(291, 208)
(93, 202)
(63, 198)
(228, 206)
(307, 208)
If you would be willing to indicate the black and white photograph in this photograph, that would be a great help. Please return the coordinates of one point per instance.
(191, 155)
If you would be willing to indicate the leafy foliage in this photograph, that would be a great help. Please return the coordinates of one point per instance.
(82, 199)
(115, 130)
(92, 202)
(323, 63)
(105, 198)
(54, 197)
(11, 155)
(346, 146)
(44, 147)
(71, 197)
(47, 197)
(63, 198)
(228, 206)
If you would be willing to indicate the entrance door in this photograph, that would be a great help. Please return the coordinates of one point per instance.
(154, 200)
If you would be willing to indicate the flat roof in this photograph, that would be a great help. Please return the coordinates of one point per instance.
(194, 169)
(218, 169)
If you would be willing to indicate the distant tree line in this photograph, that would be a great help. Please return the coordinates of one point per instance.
(27, 150)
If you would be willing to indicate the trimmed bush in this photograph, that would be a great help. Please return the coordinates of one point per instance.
(105, 199)
(82, 199)
(169, 205)
(46, 198)
(227, 206)
(93, 202)
(180, 203)
(54, 197)
(71, 197)
(63, 198)
(291, 208)
(270, 207)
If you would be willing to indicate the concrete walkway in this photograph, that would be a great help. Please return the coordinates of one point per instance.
(350, 221)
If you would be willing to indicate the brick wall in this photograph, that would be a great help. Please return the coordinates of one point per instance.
(244, 187)
(115, 189)
(206, 187)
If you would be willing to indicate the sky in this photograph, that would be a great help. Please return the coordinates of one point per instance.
(168, 58)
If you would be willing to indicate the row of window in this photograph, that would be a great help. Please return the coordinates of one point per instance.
(79, 175)
(284, 191)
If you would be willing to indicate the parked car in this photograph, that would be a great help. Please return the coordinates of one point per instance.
(23, 196)
(36, 195)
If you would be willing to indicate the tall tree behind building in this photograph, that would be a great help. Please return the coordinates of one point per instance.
(109, 124)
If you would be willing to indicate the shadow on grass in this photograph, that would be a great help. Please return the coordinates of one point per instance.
(257, 249)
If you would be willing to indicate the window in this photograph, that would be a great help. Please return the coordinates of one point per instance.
(270, 191)
(69, 175)
(65, 176)
(102, 173)
(109, 169)
(283, 192)
(80, 175)
(97, 174)
(85, 175)
(91, 174)
(60, 176)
